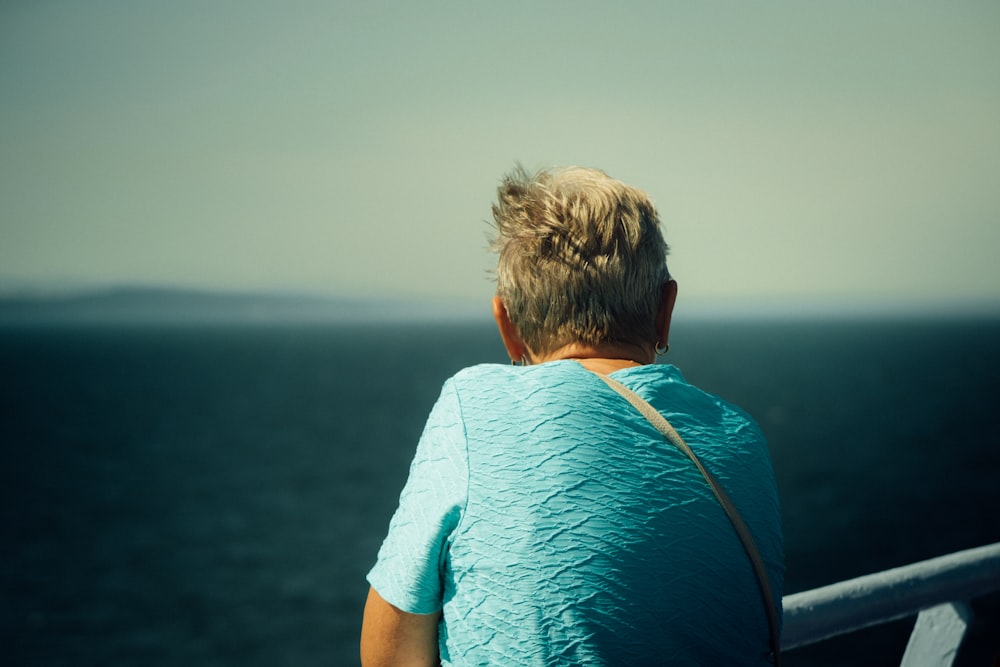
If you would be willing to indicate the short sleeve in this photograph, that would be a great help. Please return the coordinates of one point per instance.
(409, 569)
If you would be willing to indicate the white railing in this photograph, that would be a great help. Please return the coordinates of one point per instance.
(935, 590)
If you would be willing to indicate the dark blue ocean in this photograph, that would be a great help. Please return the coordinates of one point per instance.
(214, 495)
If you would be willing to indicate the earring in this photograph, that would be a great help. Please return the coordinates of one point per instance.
(523, 361)
(660, 351)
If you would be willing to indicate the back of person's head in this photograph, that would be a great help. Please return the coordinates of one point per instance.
(581, 258)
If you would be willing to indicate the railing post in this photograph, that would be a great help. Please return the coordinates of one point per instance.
(937, 635)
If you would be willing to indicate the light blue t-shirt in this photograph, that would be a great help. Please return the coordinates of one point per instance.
(553, 525)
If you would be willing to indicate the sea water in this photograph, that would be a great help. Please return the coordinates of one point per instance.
(214, 495)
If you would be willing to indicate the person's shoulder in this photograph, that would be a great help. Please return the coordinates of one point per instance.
(653, 377)
(668, 381)
(497, 379)
(480, 387)
(481, 372)
(480, 377)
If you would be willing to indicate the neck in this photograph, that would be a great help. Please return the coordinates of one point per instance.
(604, 358)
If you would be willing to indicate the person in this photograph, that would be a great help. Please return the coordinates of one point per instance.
(544, 520)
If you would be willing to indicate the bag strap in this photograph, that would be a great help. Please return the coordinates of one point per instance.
(668, 431)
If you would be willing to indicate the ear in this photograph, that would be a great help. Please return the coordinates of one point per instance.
(508, 333)
(663, 316)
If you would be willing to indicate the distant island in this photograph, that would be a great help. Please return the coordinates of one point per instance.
(130, 305)
(162, 305)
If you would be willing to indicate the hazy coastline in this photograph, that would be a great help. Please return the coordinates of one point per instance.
(156, 305)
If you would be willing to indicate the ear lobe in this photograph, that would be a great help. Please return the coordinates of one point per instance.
(508, 332)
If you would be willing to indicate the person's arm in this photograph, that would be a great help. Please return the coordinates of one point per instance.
(391, 637)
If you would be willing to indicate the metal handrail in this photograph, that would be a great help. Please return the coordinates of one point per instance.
(925, 587)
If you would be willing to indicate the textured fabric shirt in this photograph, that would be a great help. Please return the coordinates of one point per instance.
(553, 525)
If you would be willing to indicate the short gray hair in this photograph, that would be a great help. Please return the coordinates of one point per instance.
(581, 258)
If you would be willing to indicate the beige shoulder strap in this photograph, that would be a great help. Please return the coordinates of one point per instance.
(664, 427)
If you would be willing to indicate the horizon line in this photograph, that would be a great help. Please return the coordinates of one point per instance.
(119, 301)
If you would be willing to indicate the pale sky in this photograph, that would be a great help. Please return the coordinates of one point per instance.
(805, 149)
